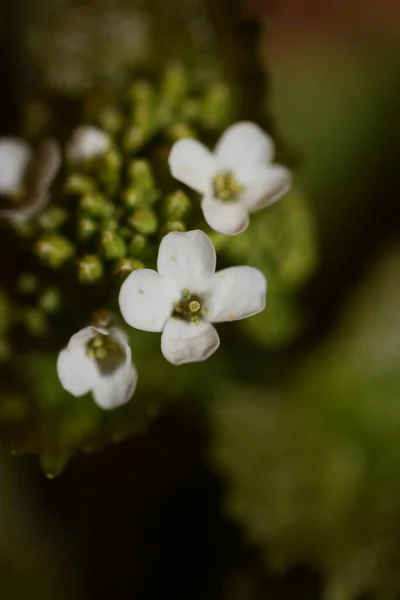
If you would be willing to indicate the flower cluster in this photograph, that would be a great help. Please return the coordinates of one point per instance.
(104, 214)
(184, 296)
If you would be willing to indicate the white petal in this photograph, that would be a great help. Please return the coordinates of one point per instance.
(117, 388)
(146, 299)
(38, 177)
(87, 142)
(76, 370)
(183, 342)
(264, 185)
(236, 293)
(193, 164)
(15, 155)
(187, 258)
(244, 143)
(229, 218)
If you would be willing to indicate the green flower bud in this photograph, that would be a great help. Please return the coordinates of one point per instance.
(134, 139)
(179, 131)
(28, 283)
(141, 91)
(50, 299)
(125, 266)
(53, 218)
(165, 113)
(86, 228)
(110, 223)
(24, 229)
(172, 226)
(133, 197)
(144, 221)
(140, 174)
(143, 117)
(138, 245)
(110, 119)
(35, 321)
(216, 107)
(96, 205)
(54, 250)
(113, 245)
(190, 110)
(79, 184)
(175, 84)
(109, 168)
(90, 268)
(126, 233)
(177, 205)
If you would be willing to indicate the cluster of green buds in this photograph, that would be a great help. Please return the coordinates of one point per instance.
(108, 214)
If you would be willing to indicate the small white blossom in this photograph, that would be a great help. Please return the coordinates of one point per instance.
(236, 180)
(98, 360)
(186, 295)
(26, 175)
(87, 142)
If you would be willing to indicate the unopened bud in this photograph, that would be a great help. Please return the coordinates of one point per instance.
(86, 228)
(179, 131)
(144, 221)
(53, 218)
(113, 245)
(133, 197)
(50, 299)
(190, 110)
(141, 91)
(125, 266)
(172, 226)
(216, 107)
(78, 184)
(90, 268)
(177, 205)
(110, 223)
(35, 321)
(138, 245)
(28, 283)
(102, 317)
(96, 205)
(134, 138)
(111, 119)
(24, 229)
(143, 117)
(175, 82)
(54, 250)
(140, 174)
(109, 168)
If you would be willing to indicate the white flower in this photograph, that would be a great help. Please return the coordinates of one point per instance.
(235, 180)
(26, 175)
(98, 360)
(87, 142)
(186, 296)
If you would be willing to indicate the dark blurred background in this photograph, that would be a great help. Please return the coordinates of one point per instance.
(289, 485)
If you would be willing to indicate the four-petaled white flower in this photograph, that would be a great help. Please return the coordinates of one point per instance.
(236, 180)
(187, 295)
(87, 142)
(26, 175)
(98, 360)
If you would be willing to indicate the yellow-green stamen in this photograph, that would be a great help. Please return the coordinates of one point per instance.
(226, 187)
(106, 351)
(189, 308)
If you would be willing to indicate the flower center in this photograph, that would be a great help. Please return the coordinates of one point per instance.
(226, 187)
(189, 308)
(106, 351)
